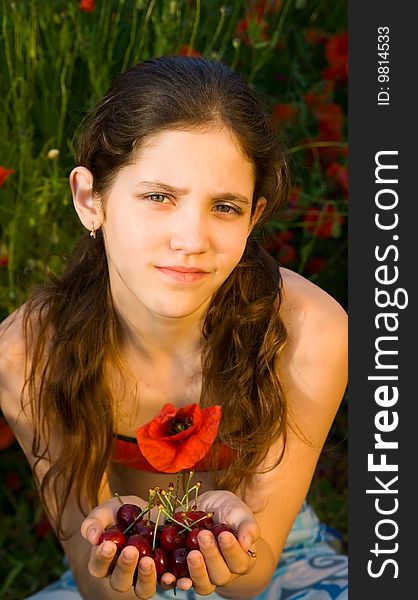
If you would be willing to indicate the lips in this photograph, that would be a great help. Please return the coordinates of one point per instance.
(182, 274)
(183, 269)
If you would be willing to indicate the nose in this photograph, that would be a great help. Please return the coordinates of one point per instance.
(190, 232)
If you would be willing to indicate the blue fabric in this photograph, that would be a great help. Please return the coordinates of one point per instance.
(310, 568)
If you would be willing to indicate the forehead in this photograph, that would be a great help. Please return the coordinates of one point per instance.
(211, 151)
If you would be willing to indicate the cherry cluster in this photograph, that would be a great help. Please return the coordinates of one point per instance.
(168, 543)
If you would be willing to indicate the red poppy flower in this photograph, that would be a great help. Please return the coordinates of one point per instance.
(322, 223)
(278, 246)
(285, 113)
(4, 174)
(187, 50)
(330, 121)
(177, 439)
(315, 264)
(337, 176)
(316, 98)
(252, 29)
(6, 435)
(315, 37)
(87, 6)
(336, 51)
(43, 527)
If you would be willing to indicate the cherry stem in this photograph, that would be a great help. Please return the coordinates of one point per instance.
(192, 525)
(154, 537)
(119, 498)
(151, 496)
(173, 518)
(139, 516)
(197, 486)
(167, 496)
(164, 501)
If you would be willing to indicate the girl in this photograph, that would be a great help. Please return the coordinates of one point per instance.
(171, 298)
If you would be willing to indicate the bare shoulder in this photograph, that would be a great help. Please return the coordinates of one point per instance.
(314, 361)
(12, 346)
(311, 315)
(303, 301)
(12, 368)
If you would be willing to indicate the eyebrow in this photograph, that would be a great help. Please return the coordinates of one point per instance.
(233, 196)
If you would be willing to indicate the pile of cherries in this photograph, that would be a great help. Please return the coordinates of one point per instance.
(167, 543)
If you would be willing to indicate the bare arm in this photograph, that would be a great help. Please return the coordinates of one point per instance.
(313, 370)
(77, 549)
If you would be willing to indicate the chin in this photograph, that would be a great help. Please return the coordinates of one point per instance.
(178, 310)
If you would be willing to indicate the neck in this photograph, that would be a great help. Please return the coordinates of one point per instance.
(158, 337)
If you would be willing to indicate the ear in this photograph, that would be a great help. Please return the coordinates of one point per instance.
(88, 208)
(261, 204)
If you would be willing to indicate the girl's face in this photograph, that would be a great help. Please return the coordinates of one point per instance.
(184, 203)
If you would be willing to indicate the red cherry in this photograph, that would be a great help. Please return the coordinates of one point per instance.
(219, 528)
(171, 538)
(192, 516)
(191, 538)
(160, 557)
(177, 563)
(141, 543)
(145, 529)
(127, 514)
(115, 535)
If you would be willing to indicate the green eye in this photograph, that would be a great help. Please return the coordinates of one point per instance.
(152, 197)
(231, 209)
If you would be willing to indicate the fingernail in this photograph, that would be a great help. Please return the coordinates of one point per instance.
(107, 549)
(92, 534)
(145, 568)
(129, 554)
(225, 539)
(205, 541)
(195, 560)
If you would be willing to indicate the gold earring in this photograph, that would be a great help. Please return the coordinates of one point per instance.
(93, 231)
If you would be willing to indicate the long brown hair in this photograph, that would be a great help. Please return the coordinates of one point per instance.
(77, 330)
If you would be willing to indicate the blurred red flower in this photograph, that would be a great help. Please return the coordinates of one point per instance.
(323, 222)
(315, 264)
(13, 481)
(87, 6)
(4, 174)
(255, 21)
(336, 52)
(278, 246)
(177, 439)
(43, 527)
(315, 37)
(294, 198)
(4, 261)
(337, 176)
(7, 436)
(314, 98)
(186, 50)
(330, 121)
(285, 113)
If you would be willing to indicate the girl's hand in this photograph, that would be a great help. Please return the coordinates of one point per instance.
(219, 564)
(101, 559)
